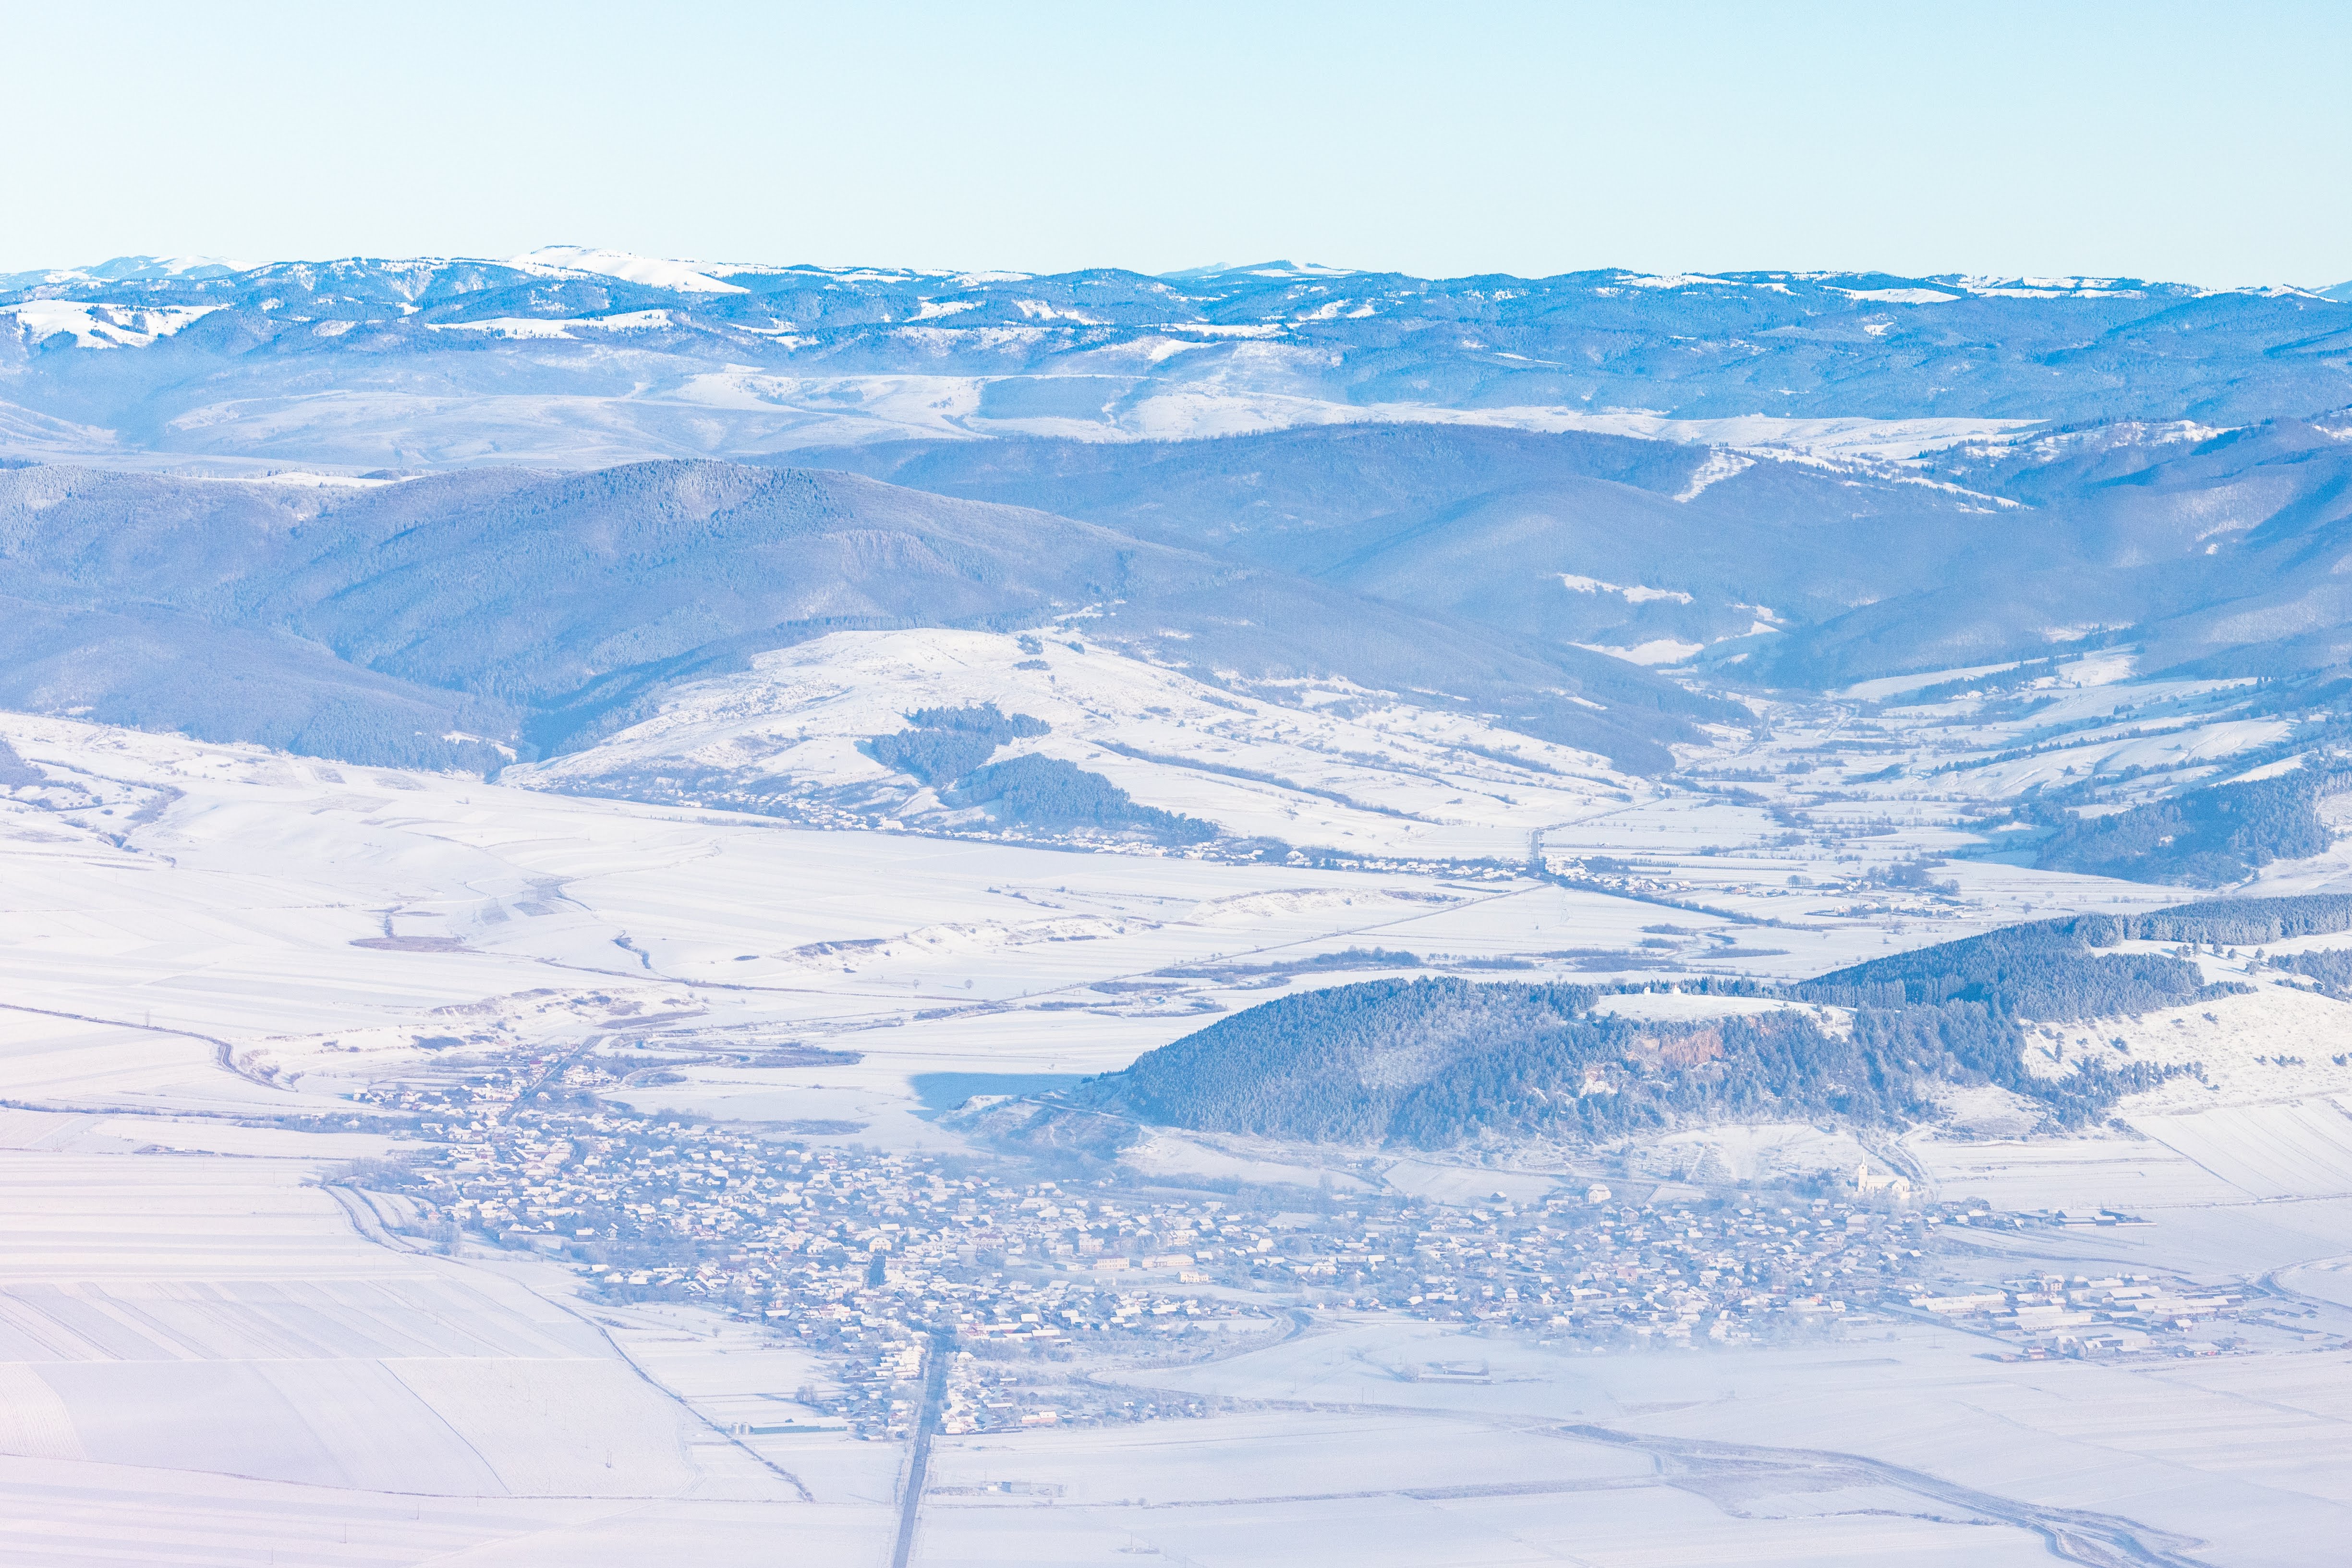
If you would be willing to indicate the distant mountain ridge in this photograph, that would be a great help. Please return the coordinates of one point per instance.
(526, 497)
(577, 357)
(2222, 553)
(1477, 570)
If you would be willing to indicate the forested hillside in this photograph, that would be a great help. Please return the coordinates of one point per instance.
(1439, 1062)
(942, 744)
(1047, 792)
(949, 749)
(2054, 970)
(460, 619)
(1434, 1063)
(2200, 837)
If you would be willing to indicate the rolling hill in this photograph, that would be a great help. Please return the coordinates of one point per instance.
(545, 609)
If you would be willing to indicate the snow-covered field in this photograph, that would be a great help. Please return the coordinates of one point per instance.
(207, 1355)
(202, 1359)
(204, 928)
(1734, 1459)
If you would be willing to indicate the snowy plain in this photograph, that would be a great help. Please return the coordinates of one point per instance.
(205, 1344)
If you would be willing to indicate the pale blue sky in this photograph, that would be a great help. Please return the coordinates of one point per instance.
(2205, 143)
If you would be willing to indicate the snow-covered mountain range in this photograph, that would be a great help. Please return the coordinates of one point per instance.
(1637, 818)
(570, 356)
(1570, 531)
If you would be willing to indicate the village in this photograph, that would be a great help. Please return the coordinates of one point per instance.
(874, 1258)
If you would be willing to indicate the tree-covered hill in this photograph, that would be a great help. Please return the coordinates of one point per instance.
(2203, 838)
(1437, 1063)
(2056, 971)
(1433, 1063)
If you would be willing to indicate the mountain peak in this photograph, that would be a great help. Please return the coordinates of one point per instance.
(685, 277)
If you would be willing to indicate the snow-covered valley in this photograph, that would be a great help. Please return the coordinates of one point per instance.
(220, 958)
(657, 908)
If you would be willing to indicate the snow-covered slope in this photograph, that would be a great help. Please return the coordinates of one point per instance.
(685, 277)
(1317, 764)
(98, 326)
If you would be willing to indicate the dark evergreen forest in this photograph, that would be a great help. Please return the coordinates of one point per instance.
(1435, 1063)
(949, 749)
(946, 744)
(1047, 792)
(2330, 970)
(2201, 836)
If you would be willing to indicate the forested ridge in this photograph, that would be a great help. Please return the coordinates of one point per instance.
(2205, 836)
(1434, 1063)
(2056, 971)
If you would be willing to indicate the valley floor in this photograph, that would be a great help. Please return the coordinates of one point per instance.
(214, 1346)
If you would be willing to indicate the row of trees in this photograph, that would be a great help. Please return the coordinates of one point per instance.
(2236, 922)
(2331, 969)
